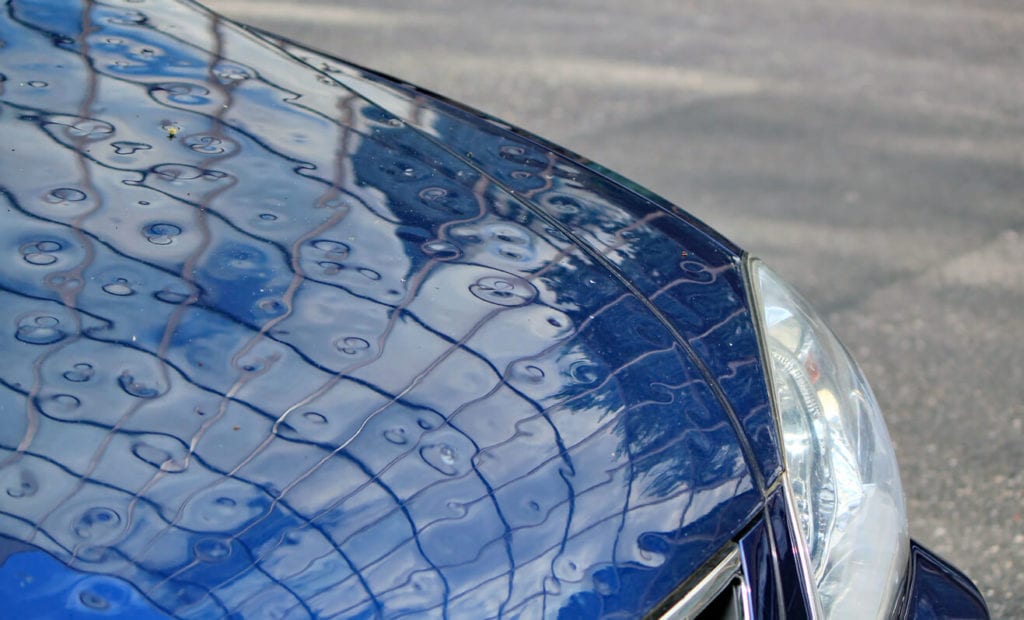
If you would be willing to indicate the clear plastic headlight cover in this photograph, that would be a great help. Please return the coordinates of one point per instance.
(839, 460)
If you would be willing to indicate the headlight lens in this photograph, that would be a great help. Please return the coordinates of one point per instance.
(840, 463)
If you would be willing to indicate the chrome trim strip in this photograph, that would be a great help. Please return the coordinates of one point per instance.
(718, 578)
(746, 599)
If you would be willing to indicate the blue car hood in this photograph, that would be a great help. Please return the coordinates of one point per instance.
(287, 338)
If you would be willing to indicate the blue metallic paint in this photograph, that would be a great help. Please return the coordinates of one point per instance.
(771, 565)
(45, 589)
(937, 590)
(760, 572)
(793, 596)
(690, 276)
(287, 336)
(274, 347)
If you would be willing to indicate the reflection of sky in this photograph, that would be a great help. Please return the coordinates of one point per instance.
(298, 358)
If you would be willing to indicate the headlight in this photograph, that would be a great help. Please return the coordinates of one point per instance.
(842, 473)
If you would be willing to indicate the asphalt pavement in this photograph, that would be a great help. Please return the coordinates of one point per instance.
(873, 152)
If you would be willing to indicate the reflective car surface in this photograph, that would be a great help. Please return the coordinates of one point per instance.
(287, 338)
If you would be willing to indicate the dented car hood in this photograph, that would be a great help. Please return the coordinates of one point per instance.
(282, 336)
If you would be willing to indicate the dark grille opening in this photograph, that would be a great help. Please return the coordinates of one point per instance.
(727, 605)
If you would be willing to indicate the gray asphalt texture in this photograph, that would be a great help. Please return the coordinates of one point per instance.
(871, 151)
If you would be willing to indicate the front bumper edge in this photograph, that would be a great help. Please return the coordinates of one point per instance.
(937, 590)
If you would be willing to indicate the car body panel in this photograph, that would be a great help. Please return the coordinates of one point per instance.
(687, 273)
(277, 347)
(937, 590)
(761, 571)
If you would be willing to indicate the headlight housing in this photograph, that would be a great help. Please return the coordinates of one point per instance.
(844, 484)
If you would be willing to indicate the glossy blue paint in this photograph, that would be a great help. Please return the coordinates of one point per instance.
(35, 585)
(689, 275)
(937, 590)
(284, 337)
(793, 595)
(771, 565)
(760, 571)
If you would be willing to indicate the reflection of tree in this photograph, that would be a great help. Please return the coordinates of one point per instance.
(285, 443)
